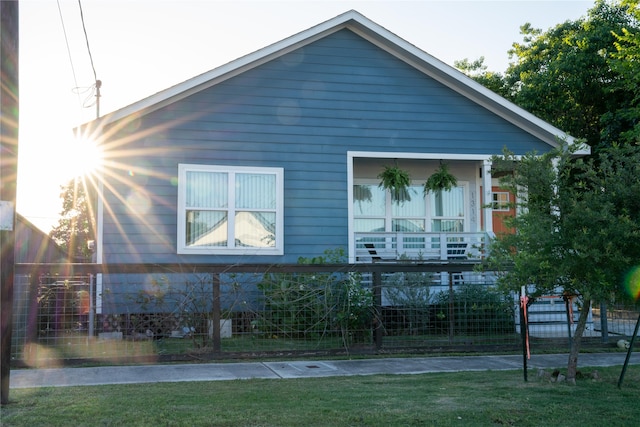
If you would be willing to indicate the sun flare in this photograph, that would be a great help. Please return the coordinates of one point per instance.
(84, 158)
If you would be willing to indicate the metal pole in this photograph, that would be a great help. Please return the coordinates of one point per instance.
(604, 323)
(98, 86)
(524, 332)
(92, 306)
(626, 360)
(9, 106)
(377, 301)
(452, 323)
(567, 301)
(216, 313)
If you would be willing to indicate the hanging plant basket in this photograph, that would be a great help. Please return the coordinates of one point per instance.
(441, 180)
(397, 181)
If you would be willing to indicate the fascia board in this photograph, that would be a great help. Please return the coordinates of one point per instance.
(416, 155)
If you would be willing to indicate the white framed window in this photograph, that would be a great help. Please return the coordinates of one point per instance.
(228, 210)
(500, 201)
(443, 211)
(448, 210)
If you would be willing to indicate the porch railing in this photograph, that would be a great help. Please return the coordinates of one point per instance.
(391, 247)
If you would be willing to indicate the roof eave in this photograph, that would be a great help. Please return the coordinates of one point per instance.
(372, 32)
(230, 69)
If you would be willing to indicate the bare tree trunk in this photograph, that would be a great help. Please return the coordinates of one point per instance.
(576, 340)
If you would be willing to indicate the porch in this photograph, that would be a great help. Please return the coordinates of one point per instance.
(433, 246)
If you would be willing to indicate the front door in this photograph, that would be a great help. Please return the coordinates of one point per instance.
(503, 206)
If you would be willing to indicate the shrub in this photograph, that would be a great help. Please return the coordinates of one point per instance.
(409, 295)
(303, 305)
(476, 310)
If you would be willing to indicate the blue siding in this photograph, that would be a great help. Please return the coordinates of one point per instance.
(302, 112)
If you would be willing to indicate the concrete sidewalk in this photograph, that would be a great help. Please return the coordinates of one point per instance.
(62, 377)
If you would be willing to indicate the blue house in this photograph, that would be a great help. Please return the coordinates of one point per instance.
(276, 156)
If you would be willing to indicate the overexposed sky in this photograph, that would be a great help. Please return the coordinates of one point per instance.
(140, 47)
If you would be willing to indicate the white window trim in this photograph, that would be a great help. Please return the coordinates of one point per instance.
(496, 207)
(278, 249)
(467, 210)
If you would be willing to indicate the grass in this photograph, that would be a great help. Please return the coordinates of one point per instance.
(53, 352)
(75, 346)
(444, 399)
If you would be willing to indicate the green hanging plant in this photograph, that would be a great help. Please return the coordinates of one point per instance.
(441, 179)
(397, 181)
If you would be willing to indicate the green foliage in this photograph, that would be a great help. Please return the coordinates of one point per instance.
(410, 293)
(565, 76)
(76, 225)
(582, 76)
(625, 60)
(303, 305)
(478, 72)
(473, 310)
(579, 227)
(440, 180)
(354, 310)
(294, 304)
(397, 181)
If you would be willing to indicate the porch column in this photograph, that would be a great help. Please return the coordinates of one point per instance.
(487, 198)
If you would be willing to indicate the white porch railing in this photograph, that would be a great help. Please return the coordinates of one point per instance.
(376, 247)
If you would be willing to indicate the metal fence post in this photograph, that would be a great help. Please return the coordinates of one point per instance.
(216, 312)
(92, 306)
(32, 311)
(604, 326)
(377, 303)
(568, 308)
(524, 332)
(452, 323)
(629, 350)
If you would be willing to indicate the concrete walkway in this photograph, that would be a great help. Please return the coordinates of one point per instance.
(62, 377)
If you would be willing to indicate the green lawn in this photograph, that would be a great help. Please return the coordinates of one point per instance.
(457, 399)
(50, 351)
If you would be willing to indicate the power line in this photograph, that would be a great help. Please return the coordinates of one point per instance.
(98, 83)
(66, 39)
(84, 28)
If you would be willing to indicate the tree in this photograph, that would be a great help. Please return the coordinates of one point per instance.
(76, 226)
(579, 227)
(478, 72)
(626, 62)
(564, 75)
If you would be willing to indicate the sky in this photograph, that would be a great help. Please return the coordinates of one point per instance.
(140, 47)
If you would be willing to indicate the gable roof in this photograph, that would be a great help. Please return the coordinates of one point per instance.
(35, 246)
(379, 36)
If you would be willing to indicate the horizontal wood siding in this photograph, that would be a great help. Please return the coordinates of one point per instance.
(301, 112)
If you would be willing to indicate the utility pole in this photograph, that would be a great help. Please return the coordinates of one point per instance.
(8, 178)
